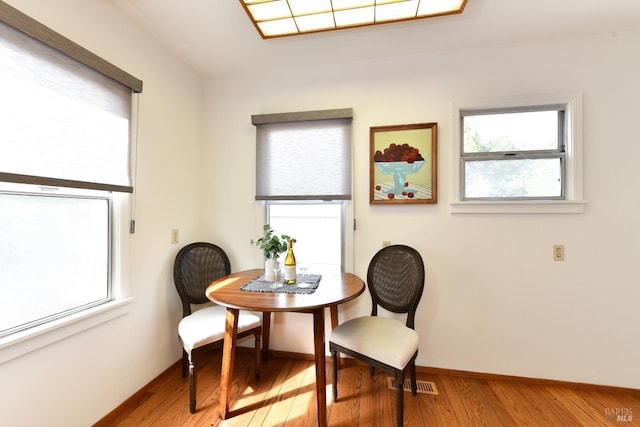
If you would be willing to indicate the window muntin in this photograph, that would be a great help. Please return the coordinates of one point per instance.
(513, 153)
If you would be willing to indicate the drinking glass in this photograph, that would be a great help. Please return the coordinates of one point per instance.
(303, 266)
(277, 266)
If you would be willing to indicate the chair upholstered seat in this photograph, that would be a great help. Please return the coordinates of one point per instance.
(371, 335)
(206, 325)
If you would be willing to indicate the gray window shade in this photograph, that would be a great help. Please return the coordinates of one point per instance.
(308, 158)
(21, 22)
(62, 123)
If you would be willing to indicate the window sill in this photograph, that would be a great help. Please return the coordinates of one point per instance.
(519, 207)
(23, 342)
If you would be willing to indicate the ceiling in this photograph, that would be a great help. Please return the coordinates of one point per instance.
(216, 37)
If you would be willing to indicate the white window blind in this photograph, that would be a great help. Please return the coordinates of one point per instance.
(62, 122)
(303, 156)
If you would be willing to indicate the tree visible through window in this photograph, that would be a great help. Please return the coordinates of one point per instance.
(509, 154)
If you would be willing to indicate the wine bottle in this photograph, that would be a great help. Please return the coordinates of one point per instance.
(290, 266)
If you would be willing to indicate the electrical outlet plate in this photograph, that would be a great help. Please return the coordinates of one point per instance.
(175, 235)
(386, 243)
(558, 252)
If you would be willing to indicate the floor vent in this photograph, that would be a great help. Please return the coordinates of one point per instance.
(425, 387)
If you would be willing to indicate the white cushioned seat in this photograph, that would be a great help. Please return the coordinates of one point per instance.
(207, 325)
(371, 336)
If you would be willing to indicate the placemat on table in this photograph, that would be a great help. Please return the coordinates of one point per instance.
(260, 285)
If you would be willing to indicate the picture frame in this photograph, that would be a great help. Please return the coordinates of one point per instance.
(403, 164)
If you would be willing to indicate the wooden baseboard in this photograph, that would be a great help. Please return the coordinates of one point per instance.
(426, 370)
(292, 355)
(141, 395)
(137, 398)
(525, 380)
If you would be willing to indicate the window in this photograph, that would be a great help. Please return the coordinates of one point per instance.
(55, 244)
(513, 153)
(318, 228)
(303, 173)
(65, 179)
(519, 155)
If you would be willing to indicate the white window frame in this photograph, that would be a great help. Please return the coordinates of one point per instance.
(573, 201)
(25, 341)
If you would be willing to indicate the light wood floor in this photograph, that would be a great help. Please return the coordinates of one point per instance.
(285, 396)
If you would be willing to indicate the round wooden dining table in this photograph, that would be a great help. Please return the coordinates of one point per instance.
(334, 289)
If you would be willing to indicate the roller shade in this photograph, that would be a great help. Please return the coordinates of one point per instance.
(62, 122)
(303, 156)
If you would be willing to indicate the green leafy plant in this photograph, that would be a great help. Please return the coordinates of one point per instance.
(271, 244)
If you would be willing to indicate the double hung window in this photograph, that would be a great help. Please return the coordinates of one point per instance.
(514, 153)
(519, 154)
(65, 176)
(303, 173)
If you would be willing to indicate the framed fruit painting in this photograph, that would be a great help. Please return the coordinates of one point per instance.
(403, 164)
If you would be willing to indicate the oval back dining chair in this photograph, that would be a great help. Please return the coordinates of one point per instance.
(196, 266)
(395, 280)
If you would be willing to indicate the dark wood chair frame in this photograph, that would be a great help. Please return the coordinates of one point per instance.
(194, 293)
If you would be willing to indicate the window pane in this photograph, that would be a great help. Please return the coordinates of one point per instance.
(522, 131)
(513, 178)
(317, 228)
(54, 256)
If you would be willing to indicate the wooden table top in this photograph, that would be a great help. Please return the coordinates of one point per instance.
(333, 289)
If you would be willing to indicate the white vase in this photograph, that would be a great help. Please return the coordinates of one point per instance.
(269, 274)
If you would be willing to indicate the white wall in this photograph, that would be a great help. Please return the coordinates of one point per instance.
(76, 381)
(495, 301)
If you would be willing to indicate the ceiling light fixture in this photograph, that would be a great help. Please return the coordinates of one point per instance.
(278, 18)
